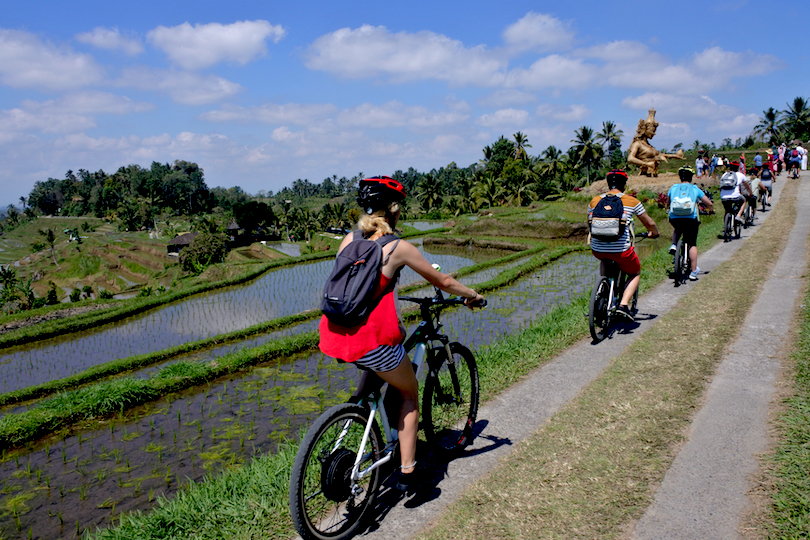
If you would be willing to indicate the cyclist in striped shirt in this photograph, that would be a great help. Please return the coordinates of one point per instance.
(621, 251)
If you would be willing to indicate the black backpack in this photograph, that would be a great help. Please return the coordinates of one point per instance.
(607, 218)
(348, 296)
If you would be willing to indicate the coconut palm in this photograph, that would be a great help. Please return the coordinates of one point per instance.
(587, 149)
(429, 192)
(487, 190)
(50, 238)
(610, 136)
(797, 118)
(523, 189)
(770, 125)
(521, 144)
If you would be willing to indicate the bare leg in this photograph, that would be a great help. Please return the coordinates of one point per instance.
(630, 289)
(403, 379)
(693, 257)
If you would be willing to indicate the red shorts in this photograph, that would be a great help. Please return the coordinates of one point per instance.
(627, 260)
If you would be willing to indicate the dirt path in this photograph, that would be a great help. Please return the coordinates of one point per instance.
(518, 413)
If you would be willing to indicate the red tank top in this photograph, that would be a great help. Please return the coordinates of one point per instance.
(381, 328)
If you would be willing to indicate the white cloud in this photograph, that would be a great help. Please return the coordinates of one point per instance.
(506, 98)
(536, 31)
(182, 86)
(373, 51)
(201, 46)
(570, 113)
(694, 107)
(27, 62)
(271, 113)
(111, 39)
(71, 113)
(504, 118)
(395, 114)
(554, 71)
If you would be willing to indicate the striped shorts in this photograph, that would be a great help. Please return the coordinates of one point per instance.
(383, 358)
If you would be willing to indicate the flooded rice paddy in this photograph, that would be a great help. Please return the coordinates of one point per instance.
(277, 293)
(73, 482)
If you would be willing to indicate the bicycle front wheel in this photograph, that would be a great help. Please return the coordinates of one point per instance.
(450, 399)
(598, 309)
(324, 502)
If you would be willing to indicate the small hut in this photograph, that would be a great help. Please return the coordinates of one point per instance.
(179, 242)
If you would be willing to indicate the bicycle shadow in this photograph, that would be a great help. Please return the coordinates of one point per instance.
(434, 469)
(626, 327)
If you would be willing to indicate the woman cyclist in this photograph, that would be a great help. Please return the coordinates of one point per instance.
(683, 224)
(377, 343)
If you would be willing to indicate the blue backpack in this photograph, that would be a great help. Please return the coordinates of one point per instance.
(348, 295)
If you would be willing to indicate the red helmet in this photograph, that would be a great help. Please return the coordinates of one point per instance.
(377, 193)
(616, 177)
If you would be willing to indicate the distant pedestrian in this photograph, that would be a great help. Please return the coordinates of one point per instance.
(713, 165)
(758, 160)
(699, 165)
(803, 154)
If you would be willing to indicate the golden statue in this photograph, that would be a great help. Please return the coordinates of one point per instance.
(642, 153)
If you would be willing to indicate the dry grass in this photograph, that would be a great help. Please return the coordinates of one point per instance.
(592, 470)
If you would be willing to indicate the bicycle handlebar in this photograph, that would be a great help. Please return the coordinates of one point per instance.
(434, 301)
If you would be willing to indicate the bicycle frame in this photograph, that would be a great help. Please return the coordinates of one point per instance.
(426, 331)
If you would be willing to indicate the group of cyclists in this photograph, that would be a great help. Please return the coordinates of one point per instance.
(690, 199)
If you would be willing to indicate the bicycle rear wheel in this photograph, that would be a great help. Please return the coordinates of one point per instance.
(728, 220)
(598, 319)
(737, 229)
(450, 398)
(680, 263)
(324, 504)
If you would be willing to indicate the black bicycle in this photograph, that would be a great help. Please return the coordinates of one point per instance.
(731, 226)
(338, 467)
(681, 262)
(605, 298)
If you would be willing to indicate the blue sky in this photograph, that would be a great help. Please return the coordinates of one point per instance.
(260, 94)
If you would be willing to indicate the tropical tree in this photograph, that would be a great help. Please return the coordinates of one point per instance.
(797, 118)
(521, 144)
(429, 192)
(610, 137)
(487, 189)
(50, 238)
(769, 125)
(553, 164)
(587, 150)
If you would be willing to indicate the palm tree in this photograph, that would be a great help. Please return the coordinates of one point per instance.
(610, 136)
(429, 192)
(521, 144)
(23, 200)
(487, 189)
(553, 164)
(769, 125)
(522, 190)
(50, 238)
(797, 117)
(587, 149)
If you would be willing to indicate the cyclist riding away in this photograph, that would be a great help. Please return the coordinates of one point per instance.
(621, 250)
(733, 197)
(756, 184)
(766, 183)
(377, 342)
(682, 198)
(794, 163)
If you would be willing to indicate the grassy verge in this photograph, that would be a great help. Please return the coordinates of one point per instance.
(590, 471)
(789, 512)
(251, 501)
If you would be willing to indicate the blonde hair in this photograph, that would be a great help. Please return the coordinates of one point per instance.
(379, 221)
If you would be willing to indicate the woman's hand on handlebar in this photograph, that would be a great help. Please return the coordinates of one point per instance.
(647, 234)
(476, 301)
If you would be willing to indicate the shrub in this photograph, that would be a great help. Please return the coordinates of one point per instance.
(76, 295)
(104, 294)
(205, 249)
(51, 298)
